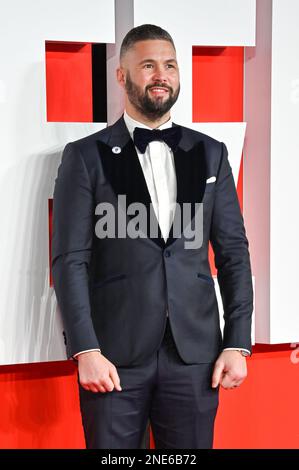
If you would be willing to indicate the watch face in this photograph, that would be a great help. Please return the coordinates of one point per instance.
(244, 353)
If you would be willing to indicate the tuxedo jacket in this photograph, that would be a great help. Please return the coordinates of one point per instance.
(114, 292)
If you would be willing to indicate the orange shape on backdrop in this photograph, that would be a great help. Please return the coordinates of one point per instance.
(69, 82)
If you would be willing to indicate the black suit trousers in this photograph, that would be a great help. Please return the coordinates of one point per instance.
(175, 398)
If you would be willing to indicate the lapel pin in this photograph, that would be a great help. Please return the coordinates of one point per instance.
(211, 179)
(116, 150)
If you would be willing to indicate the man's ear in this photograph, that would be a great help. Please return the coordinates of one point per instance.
(121, 76)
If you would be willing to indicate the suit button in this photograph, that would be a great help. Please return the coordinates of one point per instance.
(167, 253)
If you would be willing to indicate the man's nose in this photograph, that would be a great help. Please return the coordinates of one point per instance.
(159, 75)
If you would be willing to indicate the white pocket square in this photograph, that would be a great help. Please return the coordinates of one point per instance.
(211, 179)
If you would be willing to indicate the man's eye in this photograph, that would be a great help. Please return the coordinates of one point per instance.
(148, 65)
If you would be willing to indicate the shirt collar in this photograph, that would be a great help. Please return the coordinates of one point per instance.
(132, 123)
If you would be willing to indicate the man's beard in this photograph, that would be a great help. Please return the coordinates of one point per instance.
(153, 109)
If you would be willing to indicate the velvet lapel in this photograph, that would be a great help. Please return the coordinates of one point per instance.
(190, 167)
(125, 174)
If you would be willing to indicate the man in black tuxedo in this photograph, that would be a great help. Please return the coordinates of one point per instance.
(140, 312)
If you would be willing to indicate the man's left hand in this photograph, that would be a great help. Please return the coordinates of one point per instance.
(230, 370)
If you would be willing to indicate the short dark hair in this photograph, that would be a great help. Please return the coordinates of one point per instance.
(142, 33)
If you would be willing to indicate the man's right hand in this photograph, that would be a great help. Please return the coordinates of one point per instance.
(96, 373)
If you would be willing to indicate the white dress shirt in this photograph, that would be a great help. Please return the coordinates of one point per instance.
(158, 168)
(159, 171)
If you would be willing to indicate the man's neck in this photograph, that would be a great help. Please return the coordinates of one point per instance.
(146, 121)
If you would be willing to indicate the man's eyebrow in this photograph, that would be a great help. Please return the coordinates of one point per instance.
(152, 60)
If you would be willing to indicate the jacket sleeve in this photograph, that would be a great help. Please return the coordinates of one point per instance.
(232, 259)
(72, 236)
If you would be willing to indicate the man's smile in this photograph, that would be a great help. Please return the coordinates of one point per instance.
(158, 91)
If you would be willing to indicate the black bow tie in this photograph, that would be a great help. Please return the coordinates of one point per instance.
(142, 137)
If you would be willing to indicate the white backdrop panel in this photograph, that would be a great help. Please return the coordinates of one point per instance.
(284, 228)
(271, 168)
(30, 328)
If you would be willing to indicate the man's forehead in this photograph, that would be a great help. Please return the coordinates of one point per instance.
(153, 47)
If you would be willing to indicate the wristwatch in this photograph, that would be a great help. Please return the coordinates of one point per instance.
(244, 353)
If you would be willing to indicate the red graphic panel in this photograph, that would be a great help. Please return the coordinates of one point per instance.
(218, 84)
(69, 82)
